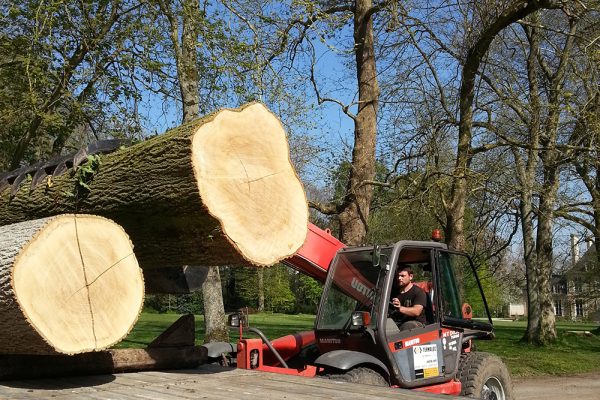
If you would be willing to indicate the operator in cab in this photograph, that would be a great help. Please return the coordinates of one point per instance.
(409, 301)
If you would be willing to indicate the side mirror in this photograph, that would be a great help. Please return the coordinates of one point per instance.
(361, 319)
(376, 256)
(236, 320)
(467, 311)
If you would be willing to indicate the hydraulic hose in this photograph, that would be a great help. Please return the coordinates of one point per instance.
(269, 345)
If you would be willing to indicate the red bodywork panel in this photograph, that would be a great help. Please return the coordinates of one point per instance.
(315, 255)
(452, 388)
(288, 346)
(250, 355)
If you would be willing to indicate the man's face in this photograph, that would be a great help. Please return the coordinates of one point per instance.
(404, 278)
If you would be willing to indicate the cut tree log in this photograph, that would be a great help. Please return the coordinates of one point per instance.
(68, 284)
(219, 190)
(99, 363)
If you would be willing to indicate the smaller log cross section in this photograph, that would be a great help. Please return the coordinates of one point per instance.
(219, 190)
(68, 284)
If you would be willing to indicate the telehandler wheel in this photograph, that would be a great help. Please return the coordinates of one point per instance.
(363, 375)
(484, 376)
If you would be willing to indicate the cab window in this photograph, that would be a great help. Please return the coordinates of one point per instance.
(461, 296)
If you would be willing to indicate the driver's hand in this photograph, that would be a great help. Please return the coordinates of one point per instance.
(396, 302)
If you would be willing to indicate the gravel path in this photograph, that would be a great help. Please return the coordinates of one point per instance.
(577, 387)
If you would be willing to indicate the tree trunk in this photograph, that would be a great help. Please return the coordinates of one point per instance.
(215, 191)
(184, 28)
(551, 163)
(18, 367)
(527, 177)
(214, 310)
(547, 329)
(354, 218)
(531, 271)
(545, 252)
(68, 284)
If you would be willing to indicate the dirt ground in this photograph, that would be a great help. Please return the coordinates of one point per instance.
(578, 387)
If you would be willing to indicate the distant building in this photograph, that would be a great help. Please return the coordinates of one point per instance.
(516, 310)
(576, 291)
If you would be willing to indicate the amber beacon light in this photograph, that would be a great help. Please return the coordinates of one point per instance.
(436, 235)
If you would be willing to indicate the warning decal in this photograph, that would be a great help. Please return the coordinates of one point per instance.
(426, 361)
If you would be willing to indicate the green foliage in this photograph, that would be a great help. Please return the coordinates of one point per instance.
(285, 291)
(246, 286)
(85, 172)
(494, 295)
(307, 292)
(174, 304)
(278, 294)
(401, 220)
(60, 75)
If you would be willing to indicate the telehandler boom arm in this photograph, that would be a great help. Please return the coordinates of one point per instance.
(315, 255)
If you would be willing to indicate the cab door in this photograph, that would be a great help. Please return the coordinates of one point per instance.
(463, 309)
(417, 354)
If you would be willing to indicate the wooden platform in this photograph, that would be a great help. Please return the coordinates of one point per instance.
(206, 382)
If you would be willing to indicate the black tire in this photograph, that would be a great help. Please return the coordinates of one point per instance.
(484, 376)
(363, 375)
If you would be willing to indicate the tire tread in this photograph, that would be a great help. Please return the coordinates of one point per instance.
(362, 375)
(471, 378)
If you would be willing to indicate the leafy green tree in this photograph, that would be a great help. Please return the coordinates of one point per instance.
(278, 293)
(61, 74)
(307, 292)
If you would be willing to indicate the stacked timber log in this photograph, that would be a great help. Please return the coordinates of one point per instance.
(68, 284)
(173, 349)
(217, 191)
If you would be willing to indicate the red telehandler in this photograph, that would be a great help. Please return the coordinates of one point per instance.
(356, 340)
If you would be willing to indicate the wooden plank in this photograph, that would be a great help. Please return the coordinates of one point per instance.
(207, 382)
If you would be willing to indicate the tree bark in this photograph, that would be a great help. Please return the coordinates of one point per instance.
(551, 164)
(68, 284)
(218, 190)
(546, 332)
(531, 270)
(186, 56)
(214, 310)
(547, 328)
(354, 218)
(13, 367)
(527, 177)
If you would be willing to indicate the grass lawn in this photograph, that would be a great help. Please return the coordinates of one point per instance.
(151, 325)
(572, 354)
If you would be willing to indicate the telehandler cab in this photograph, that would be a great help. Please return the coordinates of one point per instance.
(355, 338)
